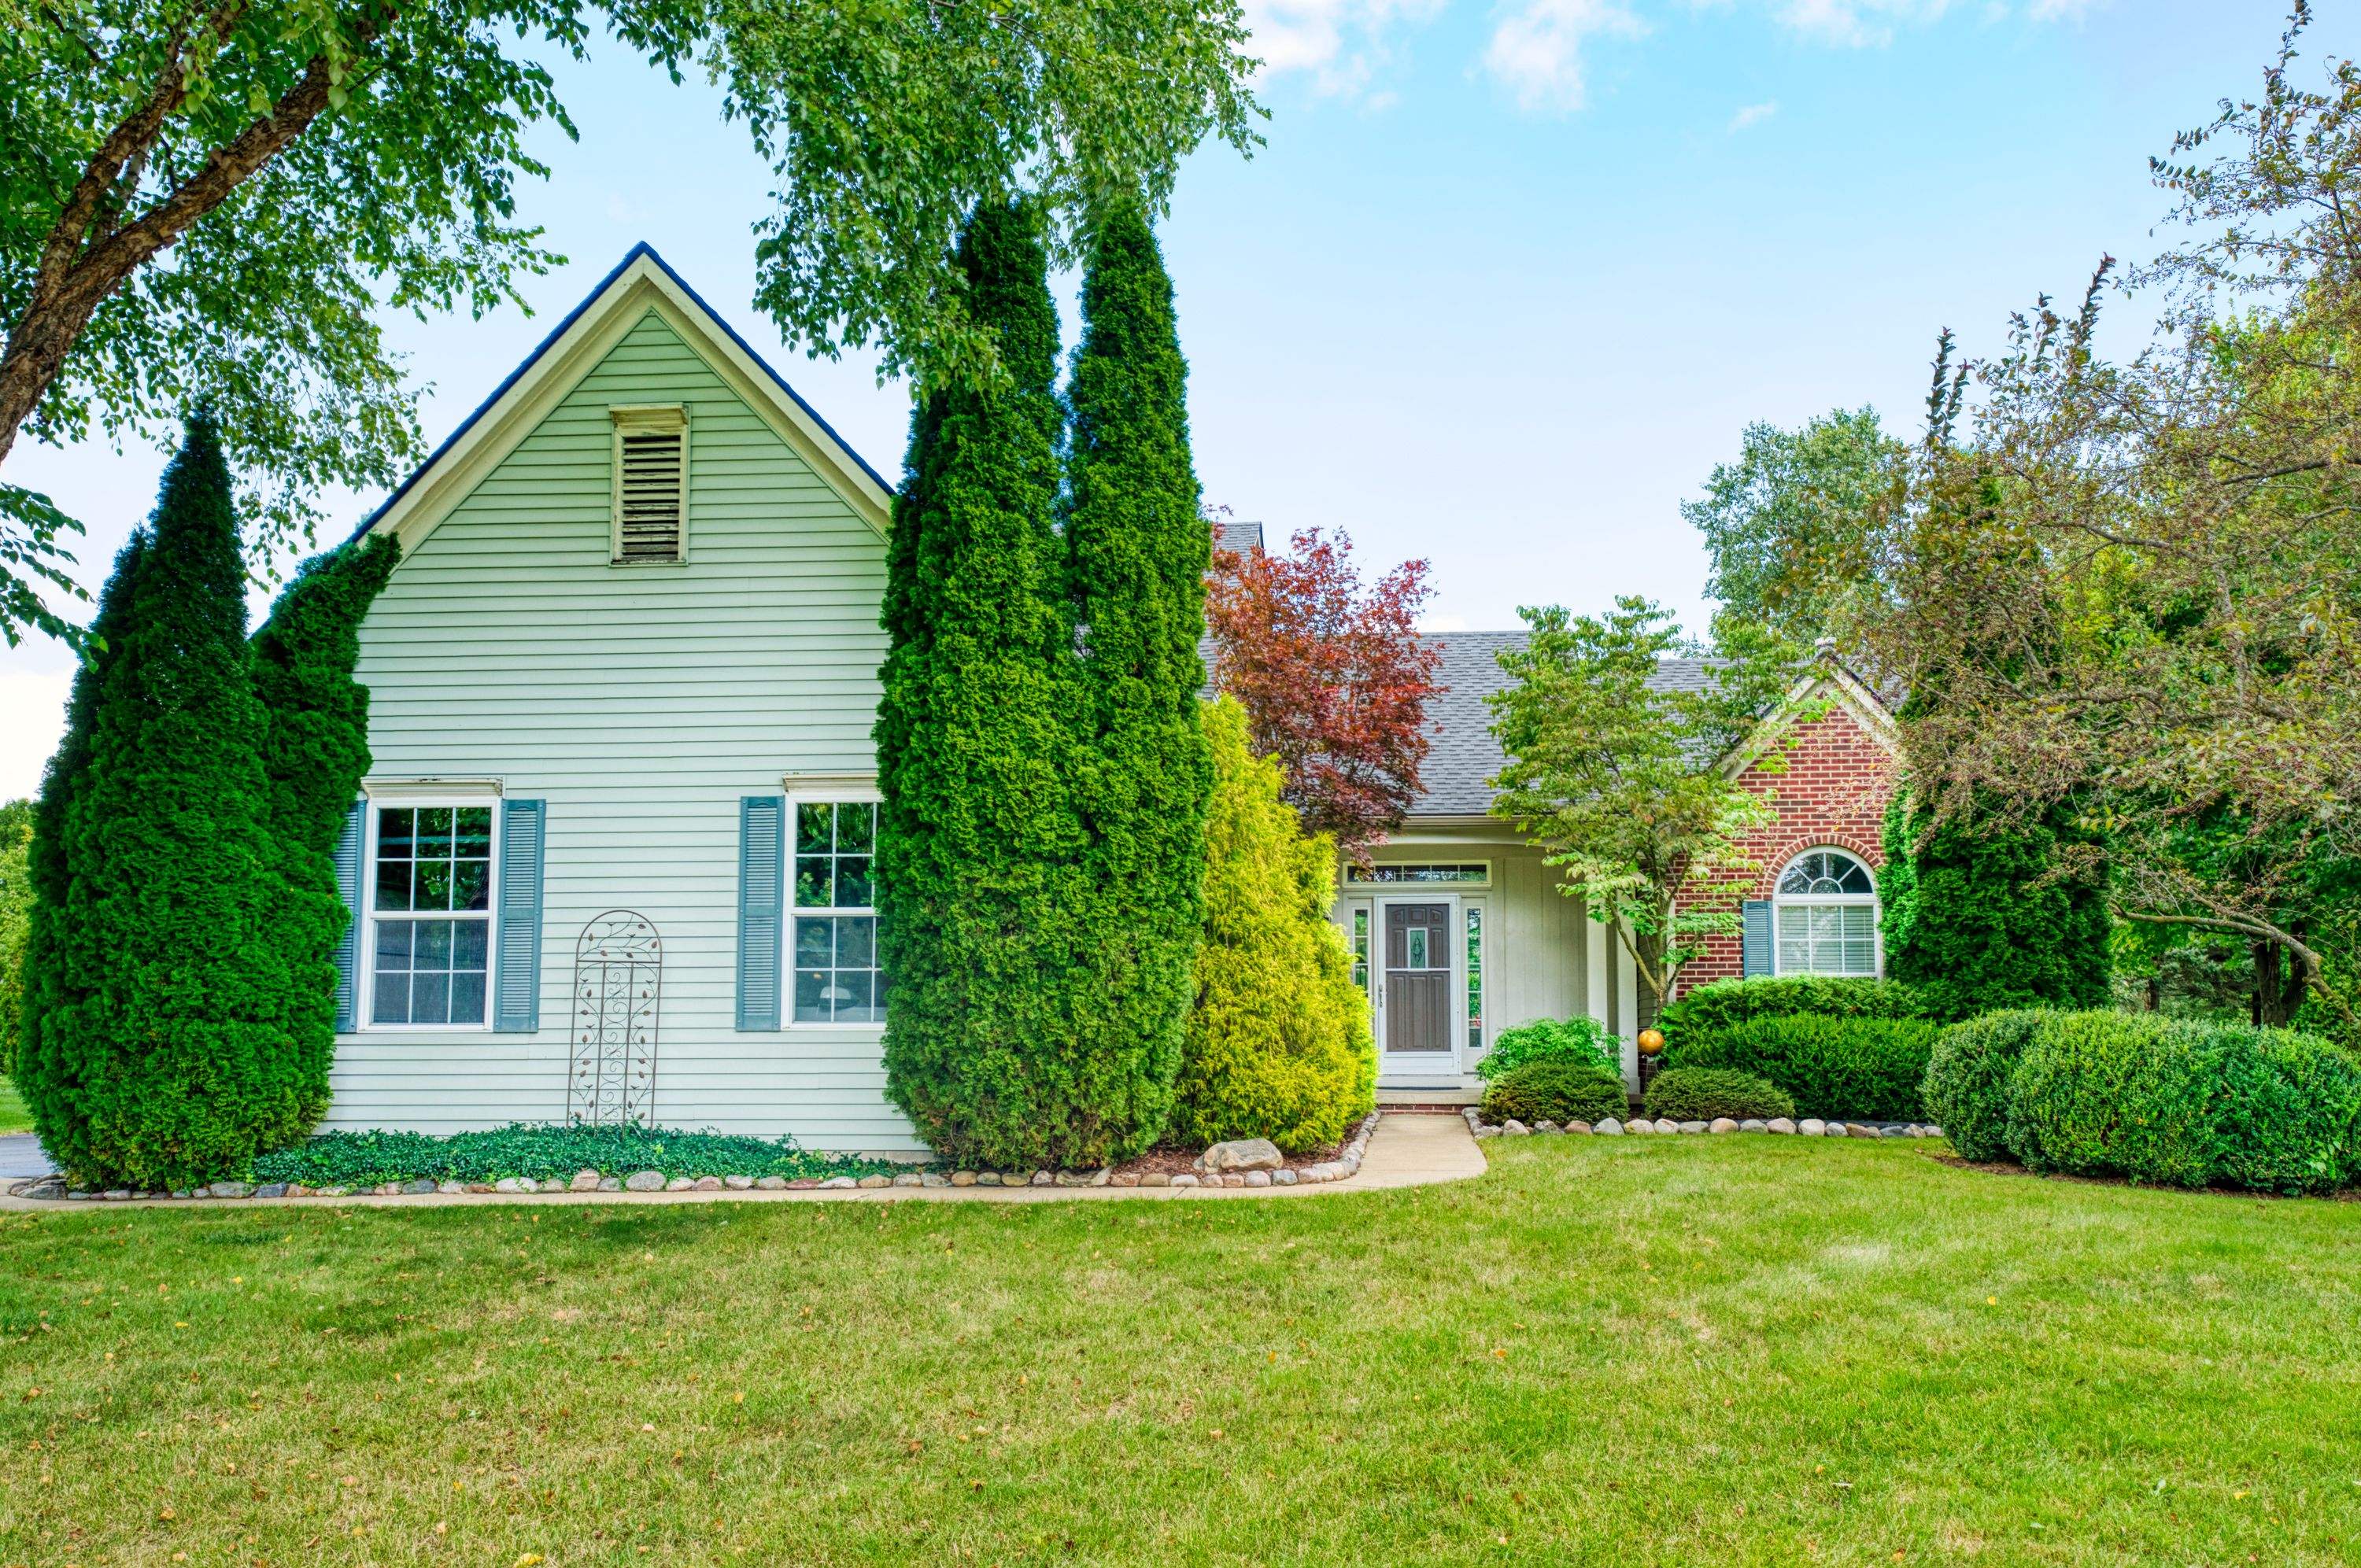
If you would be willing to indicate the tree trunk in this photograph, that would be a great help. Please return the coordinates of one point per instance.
(2279, 991)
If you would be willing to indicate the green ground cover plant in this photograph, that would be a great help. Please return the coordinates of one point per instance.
(1725, 1004)
(1860, 1069)
(1555, 1090)
(541, 1151)
(1834, 1352)
(1702, 1093)
(1584, 1041)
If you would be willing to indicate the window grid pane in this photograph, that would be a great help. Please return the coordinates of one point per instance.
(1361, 948)
(837, 978)
(1827, 938)
(431, 858)
(430, 971)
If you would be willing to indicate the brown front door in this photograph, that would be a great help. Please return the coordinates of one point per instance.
(1418, 978)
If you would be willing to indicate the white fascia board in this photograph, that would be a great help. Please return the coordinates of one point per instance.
(641, 287)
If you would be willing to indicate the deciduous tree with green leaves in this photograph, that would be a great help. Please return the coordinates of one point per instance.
(1789, 524)
(1614, 772)
(210, 202)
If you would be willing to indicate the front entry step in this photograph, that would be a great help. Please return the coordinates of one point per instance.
(1391, 1097)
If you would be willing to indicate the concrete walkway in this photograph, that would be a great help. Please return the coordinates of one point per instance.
(1405, 1151)
(21, 1156)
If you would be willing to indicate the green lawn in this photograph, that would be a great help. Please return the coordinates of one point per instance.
(1675, 1350)
(13, 1117)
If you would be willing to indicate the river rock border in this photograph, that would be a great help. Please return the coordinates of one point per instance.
(1346, 1162)
(1810, 1127)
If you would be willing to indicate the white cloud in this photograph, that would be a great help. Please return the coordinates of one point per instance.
(1752, 114)
(1340, 42)
(1537, 50)
(1861, 23)
(2061, 10)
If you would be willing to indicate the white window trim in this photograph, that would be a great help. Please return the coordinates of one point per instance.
(1780, 900)
(644, 418)
(819, 789)
(409, 794)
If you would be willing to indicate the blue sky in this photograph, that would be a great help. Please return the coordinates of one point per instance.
(1505, 283)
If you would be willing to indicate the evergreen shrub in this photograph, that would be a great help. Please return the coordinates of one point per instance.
(2290, 1113)
(1583, 1040)
(1558, 1092)
(1135, 553)
(541, 1152)
(2126, 1094)
(2187, 1104)
(981, 849)
(1702, 1093)
(159, 1049)
(1856, 1069)
(1279, 1043)
(1973, 918)
(1968, 1074)
(1724, 1003)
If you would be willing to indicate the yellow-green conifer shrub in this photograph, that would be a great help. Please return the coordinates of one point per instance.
(1279, 1043)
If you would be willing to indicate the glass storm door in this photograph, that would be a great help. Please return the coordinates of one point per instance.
(1415, 1009)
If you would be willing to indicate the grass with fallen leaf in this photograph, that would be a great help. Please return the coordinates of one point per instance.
(1669, 1351)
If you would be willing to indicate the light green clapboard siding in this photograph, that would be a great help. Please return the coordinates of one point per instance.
(640, 703)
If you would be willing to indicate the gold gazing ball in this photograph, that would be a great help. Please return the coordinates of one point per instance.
(1651, 1042)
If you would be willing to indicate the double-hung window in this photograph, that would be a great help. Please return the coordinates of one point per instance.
(429, 912)
(833, 948)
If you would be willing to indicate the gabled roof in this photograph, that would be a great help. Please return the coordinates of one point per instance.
(641, 282)
(1465, 755)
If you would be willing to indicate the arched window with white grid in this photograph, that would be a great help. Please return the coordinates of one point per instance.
(1824, 916)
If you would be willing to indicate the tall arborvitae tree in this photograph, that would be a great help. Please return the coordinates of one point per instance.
(316, 754)
(1137, 550)
(1980, 916)
(979, 847)
(43, 983)
(157, 1051)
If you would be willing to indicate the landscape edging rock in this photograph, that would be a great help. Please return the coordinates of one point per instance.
(1346, 1162)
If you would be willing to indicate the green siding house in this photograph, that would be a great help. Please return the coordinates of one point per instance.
(612, 854)
(612, 858)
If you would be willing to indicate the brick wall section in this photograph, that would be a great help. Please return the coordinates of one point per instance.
(1831, 794)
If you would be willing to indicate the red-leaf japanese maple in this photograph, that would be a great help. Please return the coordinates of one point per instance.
(1333, 678)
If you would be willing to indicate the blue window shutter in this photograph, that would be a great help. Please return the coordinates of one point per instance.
(762, 900)
(1757, 943)
(516, 987)
(348, 888)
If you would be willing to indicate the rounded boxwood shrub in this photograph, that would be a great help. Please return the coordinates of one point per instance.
(1966, 1091)
(1866, 1068)
(1584, 1041)
(1702, 1093)
(2290, 1113)
(1726, 1003)
(2126, 1094)
(1555, 1091)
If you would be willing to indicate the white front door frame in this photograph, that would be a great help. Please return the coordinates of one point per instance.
(1446, 1068)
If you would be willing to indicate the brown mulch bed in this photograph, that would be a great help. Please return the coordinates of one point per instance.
(1178, 1162)
(2010, 1167)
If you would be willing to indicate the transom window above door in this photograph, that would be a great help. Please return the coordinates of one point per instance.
(1825, 911)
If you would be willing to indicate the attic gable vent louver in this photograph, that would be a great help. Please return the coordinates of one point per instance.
(651, 520)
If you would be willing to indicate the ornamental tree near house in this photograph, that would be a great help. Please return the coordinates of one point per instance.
(1134, 555)
(1334, 680)
(980, 841)
(305, 163)
(157, 1047)
(1615, 774)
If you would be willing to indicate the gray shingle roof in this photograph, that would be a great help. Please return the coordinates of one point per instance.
(1465, 755)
